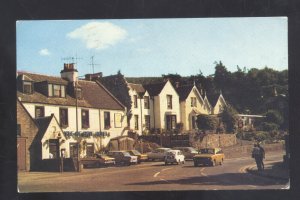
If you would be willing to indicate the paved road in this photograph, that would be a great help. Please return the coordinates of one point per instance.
(153, 176)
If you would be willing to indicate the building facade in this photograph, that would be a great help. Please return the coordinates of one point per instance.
(88, 114)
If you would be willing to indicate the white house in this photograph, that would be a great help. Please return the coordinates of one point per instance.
(191, 105)
(86, 111)
(166, 108)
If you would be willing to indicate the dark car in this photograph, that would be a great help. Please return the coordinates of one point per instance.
(123, 157)
(98, 160)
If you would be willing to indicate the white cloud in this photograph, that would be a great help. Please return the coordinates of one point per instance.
(44, 52)
(98, 35)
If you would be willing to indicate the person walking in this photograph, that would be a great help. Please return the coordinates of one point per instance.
(257, 156)
(261, 155)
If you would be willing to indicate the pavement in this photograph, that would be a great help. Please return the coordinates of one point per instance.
(273, 169)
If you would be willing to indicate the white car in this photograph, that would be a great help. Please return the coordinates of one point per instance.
(158, 154)
(174, 156)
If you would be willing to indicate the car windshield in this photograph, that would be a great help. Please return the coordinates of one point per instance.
(192, 150)
(208, 151)
(126, 154)
(135, 152)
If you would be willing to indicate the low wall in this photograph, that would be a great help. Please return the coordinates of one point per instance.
(245, 150)
(212, 140)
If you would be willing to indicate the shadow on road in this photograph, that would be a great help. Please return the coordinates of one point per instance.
(226, 179)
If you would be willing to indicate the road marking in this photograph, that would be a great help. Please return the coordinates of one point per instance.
(166, 169)
(201, 172)
(164, 180)
(155, 175)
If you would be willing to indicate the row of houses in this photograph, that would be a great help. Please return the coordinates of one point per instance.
(70, 117)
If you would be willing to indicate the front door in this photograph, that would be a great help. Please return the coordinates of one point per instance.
(171, 122)
(21, 151)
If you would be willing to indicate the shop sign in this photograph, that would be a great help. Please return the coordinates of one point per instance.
(86, 134)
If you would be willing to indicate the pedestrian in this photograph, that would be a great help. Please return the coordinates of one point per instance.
(262, 155)
(257, 157)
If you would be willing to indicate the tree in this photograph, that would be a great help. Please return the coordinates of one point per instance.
(273, 116)
(207, 122)
(229, 118)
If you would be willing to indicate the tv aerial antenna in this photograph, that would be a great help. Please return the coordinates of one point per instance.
(93, 64)
(72, 59)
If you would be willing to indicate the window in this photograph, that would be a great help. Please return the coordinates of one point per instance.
(136, 122)
(27, 87)
(53, 148)
(63, 117)
(50, 90)
(89, 149)
(146, 102)
(39, 111)
(147, 122)
(193, 102)
(85, 122)
(194, 124)
(135, 101)
(171, 122)
(56, 90)
(73, 150)
(107, 120)
(18, 129)
(169, 101)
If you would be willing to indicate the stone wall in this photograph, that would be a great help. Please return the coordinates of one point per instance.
(212, 140)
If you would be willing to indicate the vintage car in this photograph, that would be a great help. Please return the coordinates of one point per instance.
(98, 160)
(123, 157)
(188, 152)
(174, 156)
(158, 154)
(209, 156)
(141, 157)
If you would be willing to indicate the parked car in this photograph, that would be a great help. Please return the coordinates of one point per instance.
(98, 160)
(141, 157)
(174, 156)
(209, 156)
(188, 152)
(123, 157)
(158, 154)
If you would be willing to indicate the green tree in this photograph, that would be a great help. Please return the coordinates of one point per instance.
(207, 122)
(229, 118)
(273, 116)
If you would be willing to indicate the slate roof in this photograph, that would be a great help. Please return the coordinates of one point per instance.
(155, 89)
(184, 91)
(94, 94)
(42, 124)
(138, 88)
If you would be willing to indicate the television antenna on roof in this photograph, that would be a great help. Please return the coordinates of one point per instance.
(72, 59)
(93, 64)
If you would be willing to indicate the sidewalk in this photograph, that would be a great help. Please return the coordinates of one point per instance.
(275, 170)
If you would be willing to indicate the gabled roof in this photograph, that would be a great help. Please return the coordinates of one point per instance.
(215, 98)
(94, 94)
(43, 124)
(41, 78)
(155, 89)
(184, 91)
(138, 88)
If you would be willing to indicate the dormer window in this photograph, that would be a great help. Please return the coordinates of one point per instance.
(55, 90)
(27, 87)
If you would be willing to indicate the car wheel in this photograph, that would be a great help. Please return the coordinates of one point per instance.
(195, 164)
(182, 162)
(166, 163)
(97, 164)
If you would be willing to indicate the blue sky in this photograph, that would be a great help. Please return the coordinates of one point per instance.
(152, 47)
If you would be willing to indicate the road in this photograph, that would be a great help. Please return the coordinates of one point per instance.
(153, 176)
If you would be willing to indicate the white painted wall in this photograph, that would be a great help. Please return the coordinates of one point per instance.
(96, 119)
(168, 90)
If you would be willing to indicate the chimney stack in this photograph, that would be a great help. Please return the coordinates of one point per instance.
(69, 72)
